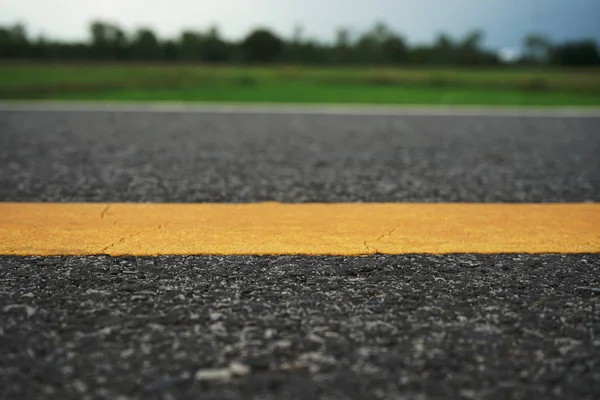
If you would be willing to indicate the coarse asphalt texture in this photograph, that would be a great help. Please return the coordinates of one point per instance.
(412, 326)
(399, 327)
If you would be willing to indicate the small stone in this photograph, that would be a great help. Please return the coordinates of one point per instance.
(30, 311)
(239, 369)
(156, 327)
(315, 339)
(218, 327)
(468, 393)
(214, 316)
(214, 374)
(418, 346)
(127, 353)
(145, 348)
(284, 344)
(294, 366)
(80, 386)
(48, 389)
(269, 333)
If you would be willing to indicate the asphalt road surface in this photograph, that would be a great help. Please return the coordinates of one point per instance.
(191, 157)
(399, 327)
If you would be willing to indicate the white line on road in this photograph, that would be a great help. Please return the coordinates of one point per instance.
(313, 109)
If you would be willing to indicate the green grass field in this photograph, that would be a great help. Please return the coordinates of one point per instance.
(289, 84)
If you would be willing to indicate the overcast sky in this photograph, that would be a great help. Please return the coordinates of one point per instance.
(504, 21)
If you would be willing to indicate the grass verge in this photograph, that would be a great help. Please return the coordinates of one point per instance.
(289, 84)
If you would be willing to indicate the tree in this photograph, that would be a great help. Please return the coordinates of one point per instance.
(343, 38)
(293, 47)
(444, 51)
(190, 46)
(470, 49)
(381, 45)
(576, 54)
(421, 55)
(367, 48)
(298, 34)
(473, 40)
(108, 40)
(342, 49)
(537, 48)
(378, 45)
(169, 50)
(213, 48)
(261, 45)
(145, 45)
(14, 41)
(395, 49)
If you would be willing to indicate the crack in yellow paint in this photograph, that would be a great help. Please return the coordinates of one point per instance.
(120, 241)
(104, 211)
(377, 239)
(315, 229)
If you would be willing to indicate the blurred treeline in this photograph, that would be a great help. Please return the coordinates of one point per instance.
(377, 46)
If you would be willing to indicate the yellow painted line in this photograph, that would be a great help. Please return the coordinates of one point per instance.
(274, 228)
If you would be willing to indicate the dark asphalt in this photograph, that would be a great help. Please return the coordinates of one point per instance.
(472, 327)
(393, 327)
(187, 157)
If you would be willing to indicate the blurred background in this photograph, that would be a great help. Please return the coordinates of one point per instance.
(527, 52)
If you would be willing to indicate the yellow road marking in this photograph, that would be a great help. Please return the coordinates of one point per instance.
(274, 228)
